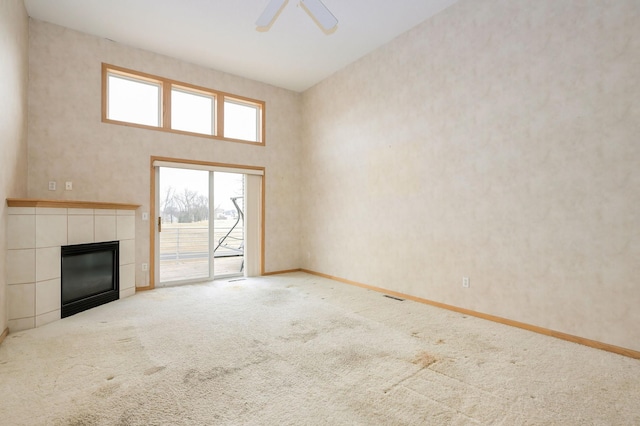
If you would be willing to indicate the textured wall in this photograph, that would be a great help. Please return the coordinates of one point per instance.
(499, 141)
(14, 33)
(106, 162)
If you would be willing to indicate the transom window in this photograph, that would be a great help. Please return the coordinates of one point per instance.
(136, 99)
(193, 112)
(241, 120)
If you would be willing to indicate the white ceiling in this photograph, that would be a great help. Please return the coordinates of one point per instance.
(221, 34)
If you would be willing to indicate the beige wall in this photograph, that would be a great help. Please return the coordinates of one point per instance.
(13, 122)
(498, 140)
(106, 162)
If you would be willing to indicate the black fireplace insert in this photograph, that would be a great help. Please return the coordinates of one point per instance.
(90, 276)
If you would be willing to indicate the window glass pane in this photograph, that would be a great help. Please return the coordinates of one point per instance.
(241, 120)
(184, 210)
(192, 112)
(133, 101)
(229, 211)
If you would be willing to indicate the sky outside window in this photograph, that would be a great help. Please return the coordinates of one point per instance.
(241, 121)
(192, 112)
(133, 101)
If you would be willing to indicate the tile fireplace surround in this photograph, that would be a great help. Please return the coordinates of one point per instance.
(36, 229)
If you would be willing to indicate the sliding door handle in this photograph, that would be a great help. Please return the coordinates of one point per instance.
(159, 224)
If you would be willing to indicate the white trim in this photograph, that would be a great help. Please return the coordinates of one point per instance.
(211, 226)
(156, 248)
(252, 225)
(247, 171)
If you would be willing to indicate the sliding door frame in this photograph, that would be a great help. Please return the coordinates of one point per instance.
(153, 216)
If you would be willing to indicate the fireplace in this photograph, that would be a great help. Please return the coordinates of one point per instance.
(90, 276)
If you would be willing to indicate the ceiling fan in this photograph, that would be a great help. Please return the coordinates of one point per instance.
(315, 8)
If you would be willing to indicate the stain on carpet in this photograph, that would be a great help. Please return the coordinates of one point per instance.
(196, 376)
(107, 390)
(351, 359)
(345, 323)
(301, 337)
(424, 359)
(84, 419)
(277, 297)
(153, 370)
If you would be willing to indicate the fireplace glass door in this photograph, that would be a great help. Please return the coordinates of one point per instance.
(89, 276)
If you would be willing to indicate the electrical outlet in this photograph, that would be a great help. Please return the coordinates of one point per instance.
(465, 282)
(68, 186)
(145, 266)
(52, 185)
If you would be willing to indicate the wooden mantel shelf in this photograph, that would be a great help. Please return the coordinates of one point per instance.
(68, 204)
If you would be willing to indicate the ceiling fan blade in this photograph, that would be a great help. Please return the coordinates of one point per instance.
(270, 12)
(321, 14)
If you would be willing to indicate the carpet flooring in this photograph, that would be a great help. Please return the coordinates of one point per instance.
(297, 349)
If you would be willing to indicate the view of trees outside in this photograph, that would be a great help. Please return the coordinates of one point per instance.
(184, 209)
(183, 206)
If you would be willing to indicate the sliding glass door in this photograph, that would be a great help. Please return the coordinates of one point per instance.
(200, 230)
(228, 251)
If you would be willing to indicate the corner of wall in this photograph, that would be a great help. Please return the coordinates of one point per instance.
(14, 45)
